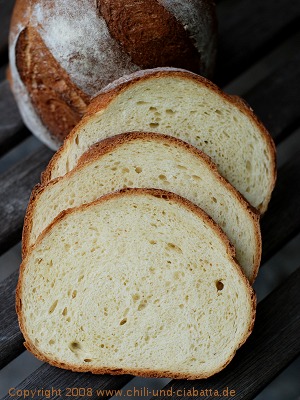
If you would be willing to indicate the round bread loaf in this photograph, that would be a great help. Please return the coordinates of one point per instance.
(63, 52)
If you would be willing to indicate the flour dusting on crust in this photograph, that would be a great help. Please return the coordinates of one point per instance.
(199, 23)
(78, 37)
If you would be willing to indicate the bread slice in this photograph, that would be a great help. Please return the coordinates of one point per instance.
(140, 159)
(141, 282)
(182, 104)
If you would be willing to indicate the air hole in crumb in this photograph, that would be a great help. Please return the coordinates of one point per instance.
(248, 165)
(75, 346)
(136, 297)
(87, 360)
(174, 247)
(142, 305)
(77, 140)
(67, 247)
(52, 341)
(162, 177)
(169, 111)
(138, 170)
(65, 311)
(152, 241)
(154, 124)
(152, 108)
(53, 307)
(196, 177)
(124, 320)
(219, 285)
(74, 294)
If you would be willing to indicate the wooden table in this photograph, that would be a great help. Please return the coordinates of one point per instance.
(250, 30)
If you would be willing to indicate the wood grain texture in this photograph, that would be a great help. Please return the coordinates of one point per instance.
(48, 377)
(273, 345)
(12, 129)
(11, 339)
(276, 100)
(282, 220)
(249, 29)
(15, 189)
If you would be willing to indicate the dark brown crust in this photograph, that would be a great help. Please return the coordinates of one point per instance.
(108, 145)
(102, 101)
(146, 24)
(155, 374)
(57, 101)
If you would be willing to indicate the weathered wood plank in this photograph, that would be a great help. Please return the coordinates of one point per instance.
(11, 339)
(12, 129)
(273, 345)
(47, 377)
(15, 189)
(282, 220)
(276, 99)
(250, 29)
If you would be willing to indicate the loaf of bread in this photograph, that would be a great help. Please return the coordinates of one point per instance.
(62, 52)
(142, 159)
(141, 282)
(185, 105)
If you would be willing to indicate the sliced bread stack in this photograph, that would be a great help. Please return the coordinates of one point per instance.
(185, 105)
(139, 282)
(138, 248)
